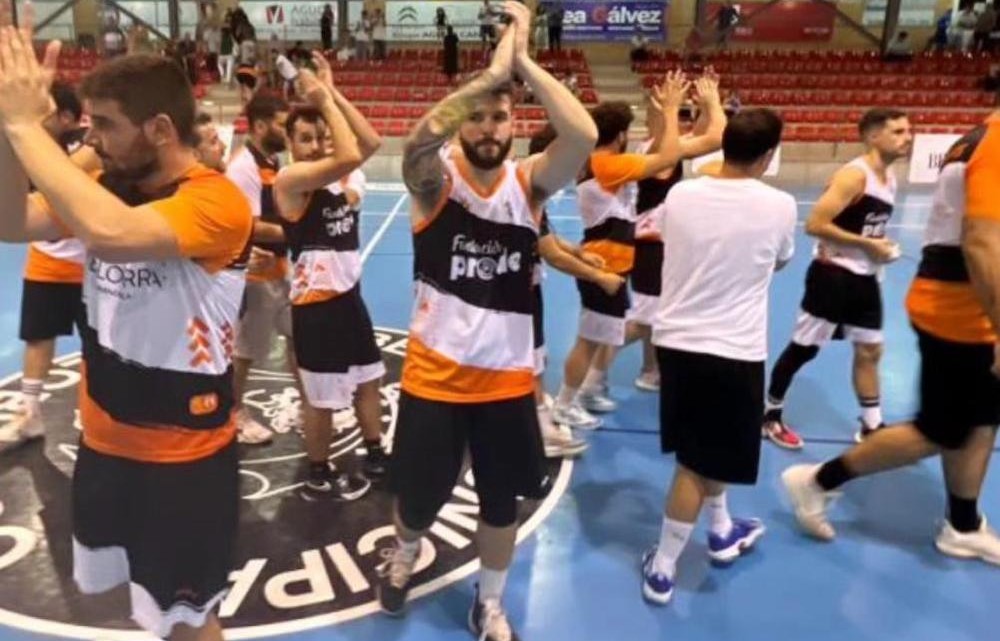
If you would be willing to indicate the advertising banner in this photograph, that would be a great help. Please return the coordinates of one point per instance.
(928, 152)
(780, 22)
(612, 21)
(413, 20)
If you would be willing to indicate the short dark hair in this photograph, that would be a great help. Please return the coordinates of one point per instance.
(307, 114)
(145, 86)
(265, 107)
(542, 138)
(750, 134)
(877, 118)
(66, 99)
(202, 119)
(612, 119)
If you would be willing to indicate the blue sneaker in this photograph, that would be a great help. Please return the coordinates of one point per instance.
(743, 536)
(656, 587)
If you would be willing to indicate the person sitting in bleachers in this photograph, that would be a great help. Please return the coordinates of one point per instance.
(900, 48)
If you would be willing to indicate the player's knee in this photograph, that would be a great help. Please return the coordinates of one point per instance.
(868, 352)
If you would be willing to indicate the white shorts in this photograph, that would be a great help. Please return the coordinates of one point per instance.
(601, 328)
(812, 331)
(335, 390)
(268, 312)
(643, 309)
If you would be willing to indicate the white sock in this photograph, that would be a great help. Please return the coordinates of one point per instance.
(491, 584)
(566, 395)
(871, 415)
(772, 404)
(718, 512)
(410, 547)
(594, 379)
(674, 536)
(31, 390)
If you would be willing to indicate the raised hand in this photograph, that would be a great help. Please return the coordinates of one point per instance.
(520, 22)
(24, 82)
(308, 86)
(707, 90)
(670, 94)
(323, 70)
(502, 64)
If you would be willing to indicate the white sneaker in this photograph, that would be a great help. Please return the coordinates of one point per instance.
(597, 401)
(648, 381)
(983, 544)
(249, 431)
(24, 428)
(574, 415)
(810, 502)
(559, 444)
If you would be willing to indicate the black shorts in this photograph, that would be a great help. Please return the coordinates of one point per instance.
(334, 335)
(247, 76)
(49, 310)
(711, 410)
(841, 297)
(175, 523)
(538, 317)
(958, 392)
(502, 437)
(595, 299)
(647, 271)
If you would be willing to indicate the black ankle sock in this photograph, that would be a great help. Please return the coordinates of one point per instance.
(963, 514)
(833, 474)
(373, 446)
(319, 471)
(773, 415)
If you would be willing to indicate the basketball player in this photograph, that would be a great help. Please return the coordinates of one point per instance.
(569, 259)
(51, 289)
(155, 489)
(268, 308)
(607, 204)
(954, 306)
(318, 196)
(211, 151)
(698, 137)
(467, 377)
(843, 297)
(723, 238)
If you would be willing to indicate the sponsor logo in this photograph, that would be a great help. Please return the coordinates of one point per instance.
(483, 260)
(299, 565)
(407, 14)
(275, 14)
(616, 15)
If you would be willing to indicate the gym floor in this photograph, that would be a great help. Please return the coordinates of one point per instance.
(575, 574)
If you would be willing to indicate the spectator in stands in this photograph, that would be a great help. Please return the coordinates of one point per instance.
(241, 26)
(900, 48)
(639, 51)
(379, 35)
(226, 50)
(362, 36)
(556, 17)
(965, 26)
(985, 24)
(733, 104)
(450, 54)
(939, 41)
(726, 21)
(186, 50)
(542, 28)
(137, 39)
(441, 22)
(487, 26)
(326, 27)
(298, 54)
(347, 51)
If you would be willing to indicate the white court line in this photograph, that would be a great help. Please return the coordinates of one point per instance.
(384, 227)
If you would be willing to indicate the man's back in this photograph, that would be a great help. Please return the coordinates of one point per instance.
(722, 239)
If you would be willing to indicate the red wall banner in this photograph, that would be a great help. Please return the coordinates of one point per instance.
(786, 21)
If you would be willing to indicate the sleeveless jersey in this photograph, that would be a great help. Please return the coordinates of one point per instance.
(325, 243)
(606, 197)
(254, 174)
(471, 335)
(867, 216)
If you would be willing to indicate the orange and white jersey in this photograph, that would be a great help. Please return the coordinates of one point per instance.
(941, 300)
(606, 197)
(59, 261)
(254, 173)
(471, 337)
(325, 243)
(158, 337)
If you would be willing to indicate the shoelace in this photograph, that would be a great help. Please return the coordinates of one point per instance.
(397, 564)
(494, 622)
